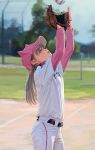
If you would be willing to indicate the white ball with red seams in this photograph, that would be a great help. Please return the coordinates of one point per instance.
(60, 1)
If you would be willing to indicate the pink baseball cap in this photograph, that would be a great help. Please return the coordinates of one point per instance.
(27, 52)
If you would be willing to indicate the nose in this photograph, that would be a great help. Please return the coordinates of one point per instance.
(47, 50)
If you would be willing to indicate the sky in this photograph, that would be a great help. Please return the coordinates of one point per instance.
(83, 14)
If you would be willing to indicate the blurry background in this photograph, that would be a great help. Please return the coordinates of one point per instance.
(22, 21)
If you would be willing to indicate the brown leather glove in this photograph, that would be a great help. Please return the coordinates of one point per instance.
(52, 19)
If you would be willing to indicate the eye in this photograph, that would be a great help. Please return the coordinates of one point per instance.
(40, 49)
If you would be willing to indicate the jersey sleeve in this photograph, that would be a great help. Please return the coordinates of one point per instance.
(60, 47)
(69, 47)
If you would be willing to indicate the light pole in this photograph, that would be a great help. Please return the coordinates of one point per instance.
(23, 14)
(2, 31)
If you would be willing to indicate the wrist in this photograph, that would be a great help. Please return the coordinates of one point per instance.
(58, 26)
(69, 28)
(69, 24)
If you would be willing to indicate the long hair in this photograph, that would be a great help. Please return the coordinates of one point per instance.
(31, 92)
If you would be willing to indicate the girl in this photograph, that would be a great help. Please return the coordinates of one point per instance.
(45, 85)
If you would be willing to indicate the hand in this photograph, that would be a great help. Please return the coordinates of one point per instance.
(50, 17)
(58, 26)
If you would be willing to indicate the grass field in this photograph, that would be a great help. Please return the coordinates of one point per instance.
(12, 84)
(11, 60)
(76, 88)
(87, 62)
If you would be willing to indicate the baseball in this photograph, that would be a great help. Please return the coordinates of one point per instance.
(60, 1)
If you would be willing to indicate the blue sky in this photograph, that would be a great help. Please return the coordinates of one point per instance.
(83, 13)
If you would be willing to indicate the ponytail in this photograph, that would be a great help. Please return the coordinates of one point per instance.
(31, 92)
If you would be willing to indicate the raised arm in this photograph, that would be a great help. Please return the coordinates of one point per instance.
(69, 47)
(60, 46)
(69, 42)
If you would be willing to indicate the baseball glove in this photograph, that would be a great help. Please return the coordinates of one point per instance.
(52, 19)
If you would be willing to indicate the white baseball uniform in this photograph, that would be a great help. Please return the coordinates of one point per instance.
(50, 91)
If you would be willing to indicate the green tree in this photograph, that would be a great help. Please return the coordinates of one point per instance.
(77, 48)
(39, 26)
(77, 45)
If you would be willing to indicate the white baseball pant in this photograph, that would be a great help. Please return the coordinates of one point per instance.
(46, 136)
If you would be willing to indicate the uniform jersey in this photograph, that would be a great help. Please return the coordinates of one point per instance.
(50, 90)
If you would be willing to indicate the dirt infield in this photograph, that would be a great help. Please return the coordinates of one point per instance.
(17, 118)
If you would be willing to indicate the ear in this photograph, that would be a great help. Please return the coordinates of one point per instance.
(33, 62)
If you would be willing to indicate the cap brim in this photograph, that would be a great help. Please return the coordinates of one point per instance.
(42, 41)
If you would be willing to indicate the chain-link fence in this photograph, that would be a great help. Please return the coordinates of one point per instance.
(14, 32)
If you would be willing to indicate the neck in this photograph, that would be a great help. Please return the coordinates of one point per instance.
(42, 63)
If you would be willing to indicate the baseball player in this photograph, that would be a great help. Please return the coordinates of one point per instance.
(45, 86)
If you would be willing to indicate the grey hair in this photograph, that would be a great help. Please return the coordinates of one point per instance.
(31, 92)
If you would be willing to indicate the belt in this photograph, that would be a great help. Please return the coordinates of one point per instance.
(52, 121)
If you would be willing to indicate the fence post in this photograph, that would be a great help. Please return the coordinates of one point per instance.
(81, 65)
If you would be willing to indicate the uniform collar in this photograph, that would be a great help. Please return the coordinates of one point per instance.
(42, 63)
